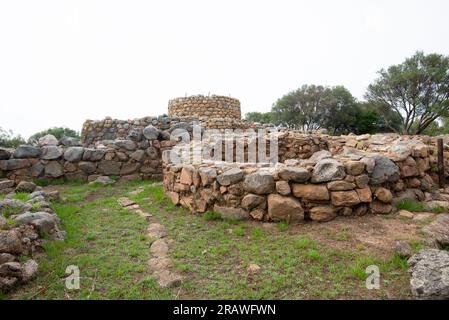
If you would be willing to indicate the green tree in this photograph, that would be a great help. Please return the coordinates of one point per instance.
(58, 132)
(340, 110)
(261, 117)
(9, 140)
(303, 108)
(417, 90)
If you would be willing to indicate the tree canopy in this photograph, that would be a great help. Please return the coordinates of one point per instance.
(417, 90)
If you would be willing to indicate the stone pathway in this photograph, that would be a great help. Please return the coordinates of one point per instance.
(160, 262)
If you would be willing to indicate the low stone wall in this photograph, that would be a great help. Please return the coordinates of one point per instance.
(351, 182)
(96, 131)
(124, 158)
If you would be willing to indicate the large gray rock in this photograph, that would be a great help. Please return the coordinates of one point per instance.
(109, 167)
(51, 152)
(135, 134)
(259, 183)
(125, 144)
(36, 169)
(429, 271)
(294, 174)
(10, 242)
(3, 223)
(207, 175)
(70, 142)
(229, 177)
(93, 154)
(45, 223)
(151, 133)
(4, 154)
(103, 180)
(48, 140)
(54, 169)
(27, 151)
(6, 183)
(11, 206)
(74, 154)
(14, 164)
(328, 170)
(384, 170)
(320, 155)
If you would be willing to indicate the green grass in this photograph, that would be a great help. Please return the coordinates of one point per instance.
(439, 209)
(213, 254)
(411, 205)
(212, 216)
(283, 226)
(22, 196)
(105, 241)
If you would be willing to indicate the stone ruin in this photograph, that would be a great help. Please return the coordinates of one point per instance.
(317, 177)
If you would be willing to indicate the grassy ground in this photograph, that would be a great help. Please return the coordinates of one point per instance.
(323, 261)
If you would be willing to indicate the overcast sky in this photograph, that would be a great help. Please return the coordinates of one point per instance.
(62, 62)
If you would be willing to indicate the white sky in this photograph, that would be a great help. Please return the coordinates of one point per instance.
(62, 62)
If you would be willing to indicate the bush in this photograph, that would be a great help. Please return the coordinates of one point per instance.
(9, 140)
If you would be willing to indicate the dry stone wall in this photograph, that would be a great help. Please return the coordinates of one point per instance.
(314, 185)
(125, 158)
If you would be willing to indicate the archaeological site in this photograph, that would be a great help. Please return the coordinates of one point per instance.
(211, 162)
(224, 159)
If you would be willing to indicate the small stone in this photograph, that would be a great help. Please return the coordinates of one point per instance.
(156, 231)
(253, 268)
(406, 214)
(384, 195)
(26, 186)
(403, 249)
(328, 170)
(354, 167)
(159, 248)
(125, 202)
(283, 188)
(231, 213)
(429, 276)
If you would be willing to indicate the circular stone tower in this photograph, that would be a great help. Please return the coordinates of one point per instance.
(205, 107)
